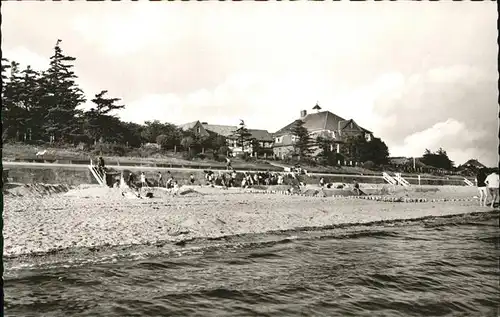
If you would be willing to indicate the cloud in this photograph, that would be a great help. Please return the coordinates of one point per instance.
(453, 136)
(451, 107)
(125, 32)
(25, 57)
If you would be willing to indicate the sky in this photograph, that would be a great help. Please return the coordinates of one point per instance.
(418, 74)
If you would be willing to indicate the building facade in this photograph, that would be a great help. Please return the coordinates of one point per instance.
(319, 123)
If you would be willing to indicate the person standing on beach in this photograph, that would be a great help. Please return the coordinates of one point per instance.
(493, 183)
(191, 179)
(100, 165)
(228, 163)
(160, 179)
(356, 187)
(322, 182)
(143, 180)
(130, 180)
(481, 186)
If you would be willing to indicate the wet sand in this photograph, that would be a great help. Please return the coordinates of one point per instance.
(90, 216)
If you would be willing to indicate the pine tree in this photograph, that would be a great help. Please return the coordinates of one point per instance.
(303, 143)
(5, 67)
(242, 136)
(13, 116)
(99, 122)
(31, 95)
(61, 97)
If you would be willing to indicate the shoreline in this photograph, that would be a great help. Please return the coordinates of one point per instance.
(112, 253)
(93, 217)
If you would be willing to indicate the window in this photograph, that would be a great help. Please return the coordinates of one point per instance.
(368, 137)
(279, 139)
(198, 130)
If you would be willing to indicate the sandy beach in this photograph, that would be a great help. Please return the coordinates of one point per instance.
(40, 218)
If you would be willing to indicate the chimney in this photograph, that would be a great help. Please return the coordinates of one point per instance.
(303, 113)
(204, 123)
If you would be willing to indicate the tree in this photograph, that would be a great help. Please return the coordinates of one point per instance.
(152, 129)
(438, 159)
(31, 95)
(131, 133)
(61, 96)
(13, 116)
(242, 136)
(256, 148)
(214, 142)
(99, 122)
(187, 142)
(303, 143)
(375, 151)
(356, 148)
(327, 155)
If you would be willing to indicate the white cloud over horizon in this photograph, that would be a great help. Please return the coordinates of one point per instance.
(419, 75)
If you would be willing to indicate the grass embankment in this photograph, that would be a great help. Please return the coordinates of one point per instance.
(24, 152)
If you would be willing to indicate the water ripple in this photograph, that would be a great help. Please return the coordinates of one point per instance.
(426, 270)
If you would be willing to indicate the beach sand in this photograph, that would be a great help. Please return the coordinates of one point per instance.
(89, 216)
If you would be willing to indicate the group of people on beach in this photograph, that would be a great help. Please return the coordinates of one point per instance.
(231, 178)
(487, 184)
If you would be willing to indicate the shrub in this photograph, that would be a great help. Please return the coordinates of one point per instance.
(82, 146)
(35, 142)
(187, 155)
(368, 165)
(200, 156)
(109, 149)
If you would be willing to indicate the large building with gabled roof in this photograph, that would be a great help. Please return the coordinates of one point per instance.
(318, 123)
(263, 137)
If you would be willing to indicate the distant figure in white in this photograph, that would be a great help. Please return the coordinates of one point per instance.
(493, 182)
(228, 163)
(143, 180)
(481, 186)
(41, 153)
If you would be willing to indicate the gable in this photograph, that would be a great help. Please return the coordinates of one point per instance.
(224, 130)
(324, 120)
(261, 135)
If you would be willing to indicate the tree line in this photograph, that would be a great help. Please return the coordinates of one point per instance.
(45, 106)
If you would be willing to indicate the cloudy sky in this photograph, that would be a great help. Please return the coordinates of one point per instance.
(419, 75)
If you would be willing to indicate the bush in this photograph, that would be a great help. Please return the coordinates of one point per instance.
(187, 155)
(243, 156)
(200, 156)
(35, 142)
(109, 149)
(368, 165)
(82, 146)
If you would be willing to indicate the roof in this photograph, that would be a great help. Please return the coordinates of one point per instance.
(323, 120)
(474, 162)
(261, 135)
(188, 126)
(224, 130)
